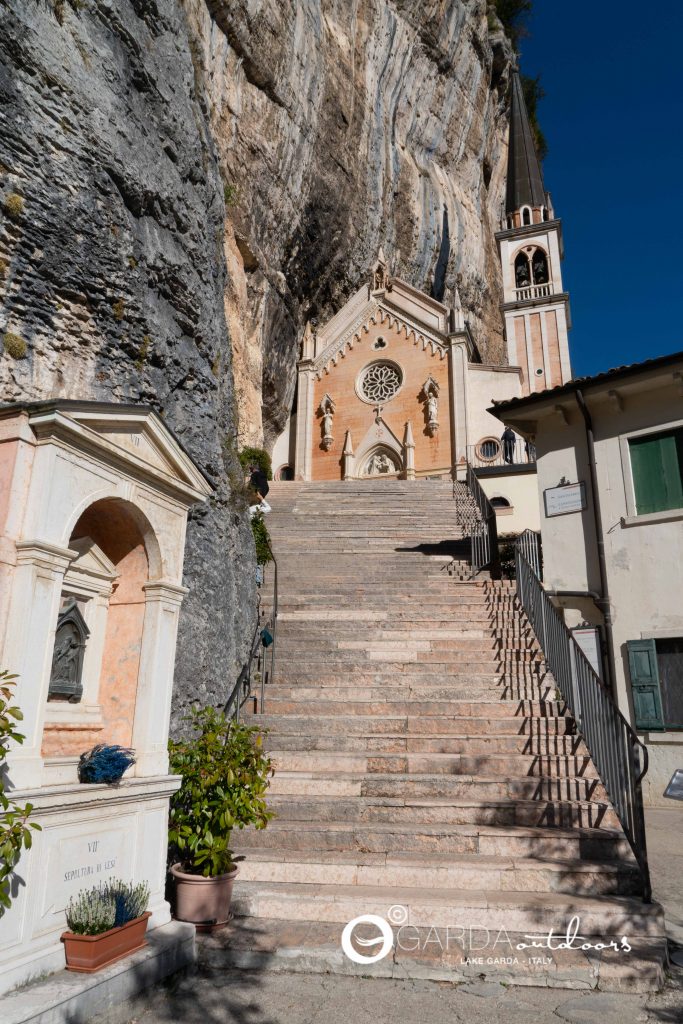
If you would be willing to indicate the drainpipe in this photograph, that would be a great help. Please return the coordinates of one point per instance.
(602, 602)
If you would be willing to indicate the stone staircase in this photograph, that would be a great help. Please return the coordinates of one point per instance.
(427, 769)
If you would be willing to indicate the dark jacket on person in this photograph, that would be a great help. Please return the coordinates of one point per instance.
(259, 481)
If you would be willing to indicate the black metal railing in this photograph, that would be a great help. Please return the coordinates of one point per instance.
(492, 452)
(477, 518)
(619, 757)
(529, 544)
(259, 668)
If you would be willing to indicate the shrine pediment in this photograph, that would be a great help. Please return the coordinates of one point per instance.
(134, 437)
(91, 559)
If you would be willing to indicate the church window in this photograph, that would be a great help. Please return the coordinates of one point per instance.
(522, 271)
(526, 215)
(498, 502)
(379, 343)
(380, 382)
(488, 449)
(539, 267)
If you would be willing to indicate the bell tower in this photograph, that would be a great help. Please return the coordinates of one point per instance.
(535, 306)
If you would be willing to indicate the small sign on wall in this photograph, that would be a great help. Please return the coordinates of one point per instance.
(566, 498)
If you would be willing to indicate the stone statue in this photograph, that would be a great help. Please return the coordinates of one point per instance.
(432, 409)
(380, 463)
(430, 396)
(326, 411)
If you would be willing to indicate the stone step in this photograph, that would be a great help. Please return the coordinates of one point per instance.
(417, 811)
(449, 955)
(526, 912)
(455, 787)
(443, 838)
(540, 730)
(295, 740)
(396, 700)
(513, 711)
(439, 871)
(504, 764)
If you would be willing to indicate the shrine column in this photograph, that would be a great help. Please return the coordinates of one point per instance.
(28, 648)
(304, 421)
(155, 677)
(458, 369)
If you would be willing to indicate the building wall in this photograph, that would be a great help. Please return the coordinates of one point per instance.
(486, 385)
(431, 453)
(643, 554)
(521, 491)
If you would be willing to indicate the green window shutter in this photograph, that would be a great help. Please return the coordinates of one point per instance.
(657, 465)
(647, 699)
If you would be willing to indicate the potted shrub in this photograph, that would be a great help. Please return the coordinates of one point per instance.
(105, 923)
(225, 775)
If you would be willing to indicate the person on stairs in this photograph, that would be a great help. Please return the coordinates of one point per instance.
(258, 482)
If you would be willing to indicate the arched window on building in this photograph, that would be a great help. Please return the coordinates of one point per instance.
(526, 215)
(522, 271)
(539, 267)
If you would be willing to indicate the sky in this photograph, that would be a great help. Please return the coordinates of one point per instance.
(613, 119)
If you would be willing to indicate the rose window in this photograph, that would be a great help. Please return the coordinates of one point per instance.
(380, 382)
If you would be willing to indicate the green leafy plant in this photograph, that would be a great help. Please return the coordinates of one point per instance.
(231, 194)
(513, 14)
(225, 775)
(261, 539)
(15, 827)
(533, 93)
(257, 457)
(13, 205)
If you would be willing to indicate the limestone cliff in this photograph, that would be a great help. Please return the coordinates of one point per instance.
(343, 125)
(183, 185)
(113, 269)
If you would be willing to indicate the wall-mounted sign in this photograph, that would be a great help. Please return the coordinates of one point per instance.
(559, 501)
(588, 639)
(675, 788)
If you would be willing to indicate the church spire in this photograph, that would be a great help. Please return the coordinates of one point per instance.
(524, 180)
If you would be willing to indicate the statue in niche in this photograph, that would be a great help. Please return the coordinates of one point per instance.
(326, 411)
(379, 463)
(67, 659)
(430, 396)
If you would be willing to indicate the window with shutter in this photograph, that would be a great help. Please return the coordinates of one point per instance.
(647, 700)
(657, 469)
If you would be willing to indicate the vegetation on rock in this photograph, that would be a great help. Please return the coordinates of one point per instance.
(14, 345)
(257, 457)
(13, 205)
(225, 777)
(261, 539)
(15, 827)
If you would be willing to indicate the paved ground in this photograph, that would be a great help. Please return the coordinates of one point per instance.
(230, 997)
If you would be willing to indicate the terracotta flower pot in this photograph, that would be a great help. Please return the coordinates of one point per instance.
(204, 902)
(89, 953)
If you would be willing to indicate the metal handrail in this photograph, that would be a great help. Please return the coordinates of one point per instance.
(619, 756)
(259, 654)
(529, 543)
(481, 526)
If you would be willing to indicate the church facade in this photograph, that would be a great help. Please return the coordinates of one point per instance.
(394, 385)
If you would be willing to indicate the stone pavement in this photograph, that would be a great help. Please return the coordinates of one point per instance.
(255, 998)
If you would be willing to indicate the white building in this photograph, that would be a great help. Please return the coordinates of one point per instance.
(613, 443)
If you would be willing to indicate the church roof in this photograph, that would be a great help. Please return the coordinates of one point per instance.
(524, 178)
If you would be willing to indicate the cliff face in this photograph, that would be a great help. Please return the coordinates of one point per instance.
(114, 273)
(343, 125)
(200, 178)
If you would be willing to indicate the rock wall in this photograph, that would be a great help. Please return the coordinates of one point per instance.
(343, 125)
(113, 271)
(196, 180)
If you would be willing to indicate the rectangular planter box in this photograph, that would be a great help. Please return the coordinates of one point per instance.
(89, 953)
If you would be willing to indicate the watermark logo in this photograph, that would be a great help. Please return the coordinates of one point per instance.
(466, 941)
(397, 915)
